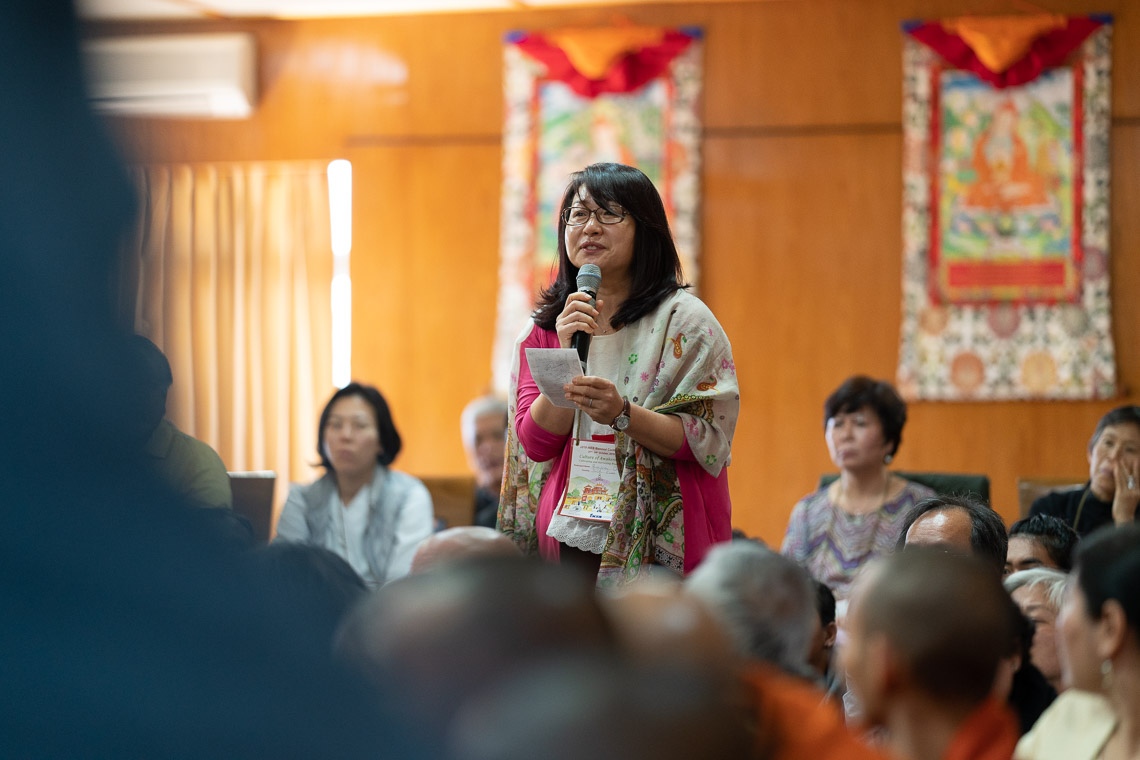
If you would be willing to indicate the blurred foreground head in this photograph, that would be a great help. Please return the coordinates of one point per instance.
(127, 630)
(436, 638)
(601, 708)
(765, 601)
(463, 542)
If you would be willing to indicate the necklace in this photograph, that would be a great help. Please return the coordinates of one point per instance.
(1080, 507)
(882, 501)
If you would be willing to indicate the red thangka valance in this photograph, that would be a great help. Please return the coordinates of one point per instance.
(1005, 51)
(593, 62)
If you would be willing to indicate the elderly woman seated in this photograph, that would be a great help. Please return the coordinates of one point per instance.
(1113, 490)
(1039, 593)
(1099, 645)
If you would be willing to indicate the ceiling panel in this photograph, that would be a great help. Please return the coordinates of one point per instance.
(166, 9)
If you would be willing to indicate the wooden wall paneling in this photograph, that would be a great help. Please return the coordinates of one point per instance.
(802, 241)
(425, 267)
(808, 292)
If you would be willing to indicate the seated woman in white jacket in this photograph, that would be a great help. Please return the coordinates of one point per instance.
(372, 516)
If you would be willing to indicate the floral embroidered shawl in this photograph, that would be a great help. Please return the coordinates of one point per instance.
(682, 365)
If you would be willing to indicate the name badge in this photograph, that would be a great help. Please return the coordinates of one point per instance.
(592, 487)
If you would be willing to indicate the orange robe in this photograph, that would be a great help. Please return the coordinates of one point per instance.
(796, 721)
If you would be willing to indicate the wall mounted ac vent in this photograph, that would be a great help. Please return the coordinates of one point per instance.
(190, 76)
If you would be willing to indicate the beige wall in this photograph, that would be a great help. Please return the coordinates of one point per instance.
(801, 228)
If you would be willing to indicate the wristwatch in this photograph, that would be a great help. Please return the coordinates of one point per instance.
(621, 422)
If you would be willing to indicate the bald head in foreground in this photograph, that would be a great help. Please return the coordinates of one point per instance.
(926, 631)
(461, 543)
(435, 639)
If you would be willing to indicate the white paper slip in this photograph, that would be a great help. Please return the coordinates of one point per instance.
(553, 368)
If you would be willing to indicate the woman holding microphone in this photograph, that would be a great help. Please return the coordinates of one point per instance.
(659, 390)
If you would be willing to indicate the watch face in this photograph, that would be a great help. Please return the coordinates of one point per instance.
(621, 423)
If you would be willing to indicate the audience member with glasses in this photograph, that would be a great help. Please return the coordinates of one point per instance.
(659, 387)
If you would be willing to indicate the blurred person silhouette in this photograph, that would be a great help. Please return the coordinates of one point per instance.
(127, 629)
(821, 657)
(765, 601)
(461, 543)
(316, 586)
(435, 639)
(658, 622)
(190, 467)
(556, 712)
(483, 425)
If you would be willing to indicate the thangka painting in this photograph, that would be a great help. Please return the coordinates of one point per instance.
(574, 97)
(1005, 209)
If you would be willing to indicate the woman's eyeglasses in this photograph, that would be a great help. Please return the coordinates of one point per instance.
(576, 216)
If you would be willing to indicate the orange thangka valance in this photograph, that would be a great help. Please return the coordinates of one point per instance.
(1005, 51)
(593, 62)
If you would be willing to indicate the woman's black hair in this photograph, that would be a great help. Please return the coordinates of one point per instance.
(655, 268)
(1107, 567)
(389, 436)
(879, 396)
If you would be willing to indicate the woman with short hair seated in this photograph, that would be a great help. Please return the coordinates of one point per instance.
(836, 530)
(1113, 490)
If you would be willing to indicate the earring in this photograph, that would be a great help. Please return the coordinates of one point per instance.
(888, 458)
(1106, 675)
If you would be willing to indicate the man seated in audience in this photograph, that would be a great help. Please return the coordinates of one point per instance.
(661, 621)
(436, 639)
(964, 525)
(926, 631)
(823, 643)
(1038, 592)
(765, 601)
(1040, 541)
(461, 543)
(189, 466)
(957, 523)
(484, 428)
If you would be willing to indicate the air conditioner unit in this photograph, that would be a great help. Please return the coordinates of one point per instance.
(197, 76)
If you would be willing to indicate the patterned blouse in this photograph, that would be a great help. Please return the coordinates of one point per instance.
(834, 545)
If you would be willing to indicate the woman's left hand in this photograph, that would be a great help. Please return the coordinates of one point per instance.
(597, 397)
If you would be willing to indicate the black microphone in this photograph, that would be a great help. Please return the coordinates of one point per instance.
(589, 280)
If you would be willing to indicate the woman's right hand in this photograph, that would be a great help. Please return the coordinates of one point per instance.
(1124, 502)
(577, 316)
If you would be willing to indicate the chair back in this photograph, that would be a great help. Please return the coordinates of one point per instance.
(253, 499)
(452, 499)
(942, 483)
(1030, 490)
